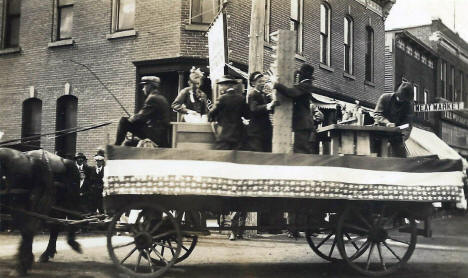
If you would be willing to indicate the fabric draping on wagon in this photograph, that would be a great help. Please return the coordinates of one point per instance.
(251, 174)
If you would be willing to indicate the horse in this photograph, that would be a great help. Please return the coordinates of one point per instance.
(66, 179)
(29, 182)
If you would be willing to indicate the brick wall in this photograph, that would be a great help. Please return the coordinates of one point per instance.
(161, 33)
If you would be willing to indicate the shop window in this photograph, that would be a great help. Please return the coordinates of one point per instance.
(297, 14)
(64, 19)
(123, 15)
(348, 44)
(66, 119)
(31, 122)
(369, 54)
(325, 34)
(11, 23)
(204, 11)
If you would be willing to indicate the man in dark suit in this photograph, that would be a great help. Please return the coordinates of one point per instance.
(96, 185)
(85, 177)
(228, 112)
(301, 94)
(152, 121)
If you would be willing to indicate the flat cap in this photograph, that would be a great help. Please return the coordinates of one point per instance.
(150, 79)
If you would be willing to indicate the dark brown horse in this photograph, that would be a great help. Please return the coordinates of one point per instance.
(36, 181)
(29, 183)
(67, 196)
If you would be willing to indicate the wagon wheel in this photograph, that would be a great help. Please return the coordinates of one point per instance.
(323, 240)
(387, 237)
(135, 235)
(188, 221)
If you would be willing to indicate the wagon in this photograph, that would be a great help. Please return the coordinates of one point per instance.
(362, 210)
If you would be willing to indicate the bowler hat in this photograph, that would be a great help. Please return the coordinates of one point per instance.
(150, 79)
(405, 91)
(77, 155)
(226, 79)
(307, 71)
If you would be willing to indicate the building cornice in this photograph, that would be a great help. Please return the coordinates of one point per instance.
(380, 7)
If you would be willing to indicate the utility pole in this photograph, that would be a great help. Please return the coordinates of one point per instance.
(256, 45)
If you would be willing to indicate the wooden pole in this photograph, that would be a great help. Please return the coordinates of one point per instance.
(283, 68)
(256, 45)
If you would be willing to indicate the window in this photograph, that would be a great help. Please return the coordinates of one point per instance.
(409, 50)
(296, 22)
(430, 64)
(401, 44)
(65, 19)
(66, 118)
(417, 55)
(325, 19)
(266, 34)
(348, 44)
(31, 122)
(426, 96)
(415, 93)
(462, 83)
(204, 11)
(370, 54)
(443, 78)
(124, 15)
(452, 83)
(11, 23)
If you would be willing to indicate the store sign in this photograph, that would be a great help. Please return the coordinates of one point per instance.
(217, 48)
(435, 107)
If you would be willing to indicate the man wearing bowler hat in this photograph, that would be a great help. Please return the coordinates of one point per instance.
(228, 112)
(301, 93)
(396, 109)
(152, 121)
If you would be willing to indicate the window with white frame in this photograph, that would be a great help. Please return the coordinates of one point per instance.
(123, 15)
(409, 50)
(417, 55)
(266, 34)
(11, 23)
(64, 19)
(443, 78)
(423, 59)
(325, 33)
(297, 14)
(415, 92)
(369, 54)
(348, 44)
(204, 11)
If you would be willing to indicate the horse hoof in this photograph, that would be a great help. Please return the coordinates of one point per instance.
(75, 246)
(44, 258)
(18, 273)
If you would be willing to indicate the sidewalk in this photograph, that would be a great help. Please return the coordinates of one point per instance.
(448, 230)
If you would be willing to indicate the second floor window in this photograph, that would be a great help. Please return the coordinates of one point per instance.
(452, 84)
(369, 54)
(325, 15)
(124, 12)
(11, 23)
(348, 45)
(296, 22)
(443, 78)
(65, 20)
(204, 11)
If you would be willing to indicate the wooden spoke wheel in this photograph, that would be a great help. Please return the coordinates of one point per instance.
(135, 236)
(384, 238)
(323, 240)
(189, 221)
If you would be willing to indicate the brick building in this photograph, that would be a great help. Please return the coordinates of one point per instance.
(451, 72)
(42, 90)
(408, 59)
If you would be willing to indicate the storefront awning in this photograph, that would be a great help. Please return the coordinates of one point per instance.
(422, 142)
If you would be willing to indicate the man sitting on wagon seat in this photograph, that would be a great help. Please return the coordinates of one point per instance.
(396, 109)
(152, 121)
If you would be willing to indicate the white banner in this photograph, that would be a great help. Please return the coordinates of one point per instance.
(217, 48)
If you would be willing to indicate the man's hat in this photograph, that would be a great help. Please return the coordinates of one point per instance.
(150, 80)
(405, 91)
(226, 79)
(254, 76)
(77, 155)
(98, 157)
(307, 71)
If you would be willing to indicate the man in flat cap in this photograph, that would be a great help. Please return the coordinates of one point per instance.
(303, 123)
(228, 112)
(396, 109)
(152, 121)
(97, 184)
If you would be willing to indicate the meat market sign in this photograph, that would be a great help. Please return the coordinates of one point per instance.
(437, 107)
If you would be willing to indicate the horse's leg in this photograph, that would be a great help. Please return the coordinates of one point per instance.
(25, 257)
(51, 246)
(71, 240)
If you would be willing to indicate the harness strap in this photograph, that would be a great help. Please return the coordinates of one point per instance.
(14, 191)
